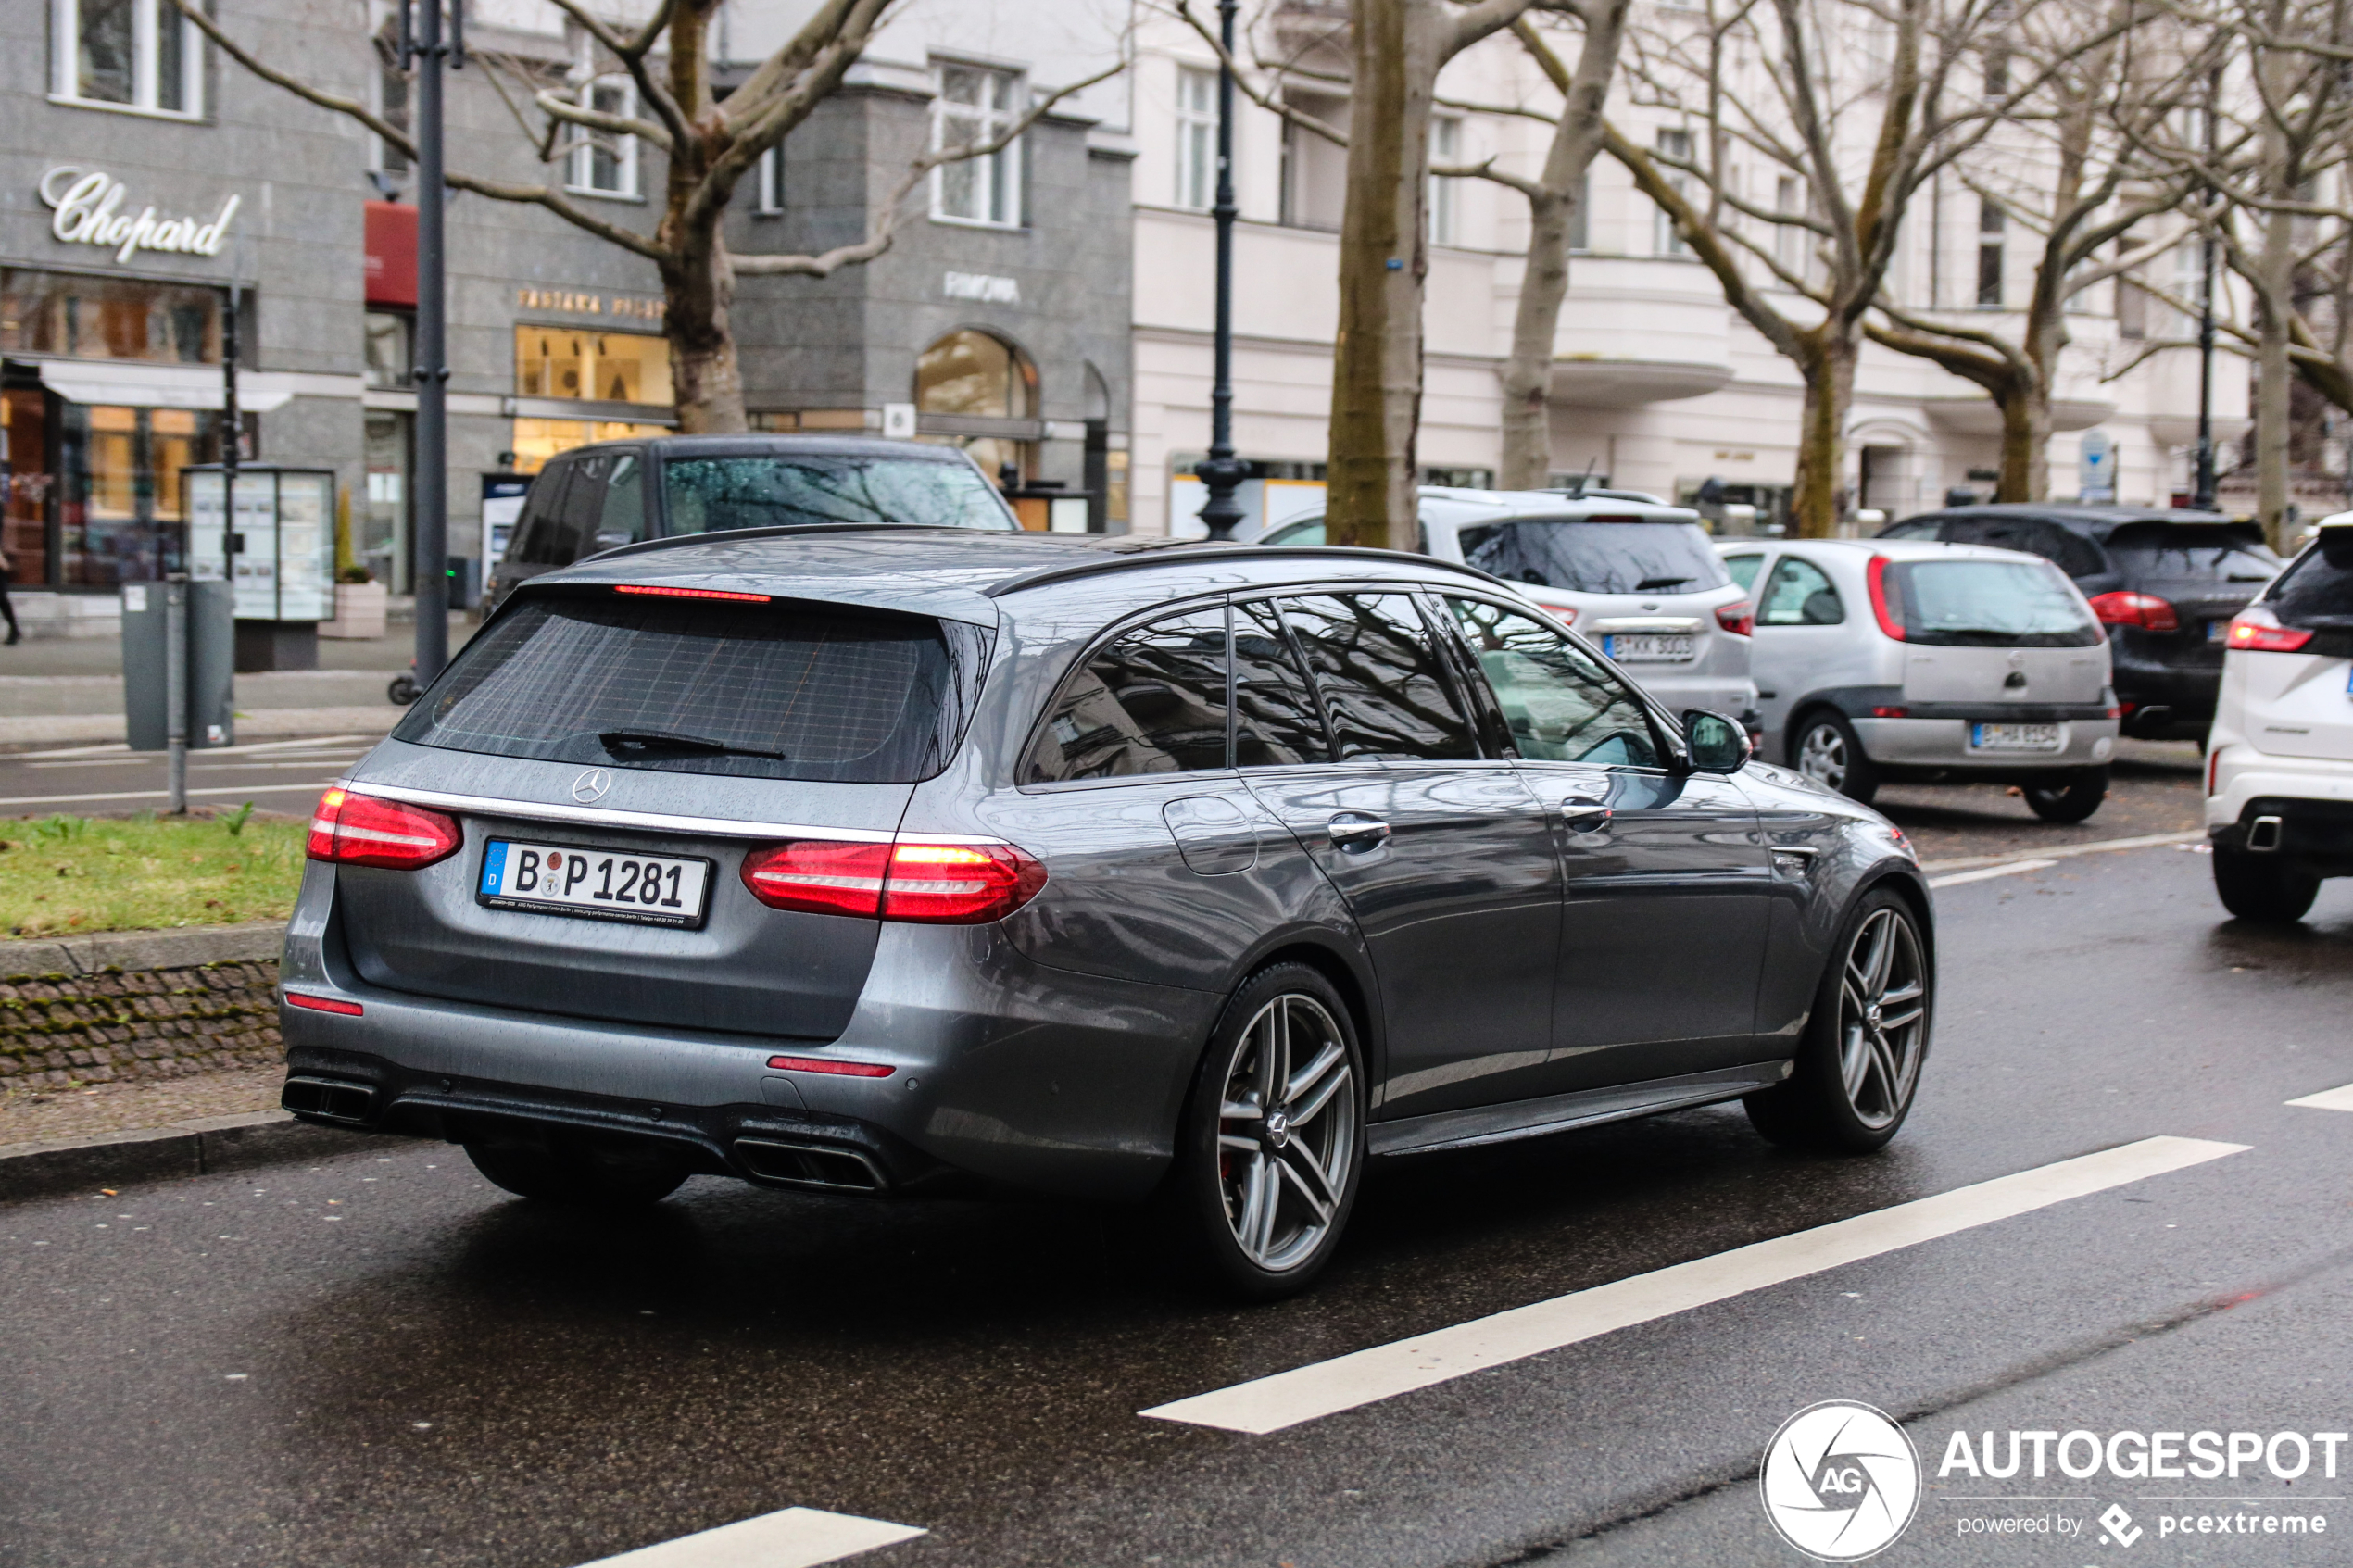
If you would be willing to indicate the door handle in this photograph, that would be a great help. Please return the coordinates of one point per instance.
(1584, 816)
(1354, 833)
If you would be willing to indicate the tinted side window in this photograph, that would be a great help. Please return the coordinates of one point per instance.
(1559, 705)
(2318, 590)
(1384, 691)
(1275, 724)
(1150, 701)
(575, 535)
(534, 535)
(623, 520)
(2076, 556)
(1798, 595)
(1742, 570)
(1912, 528)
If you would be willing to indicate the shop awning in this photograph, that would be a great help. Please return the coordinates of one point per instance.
(161, 386)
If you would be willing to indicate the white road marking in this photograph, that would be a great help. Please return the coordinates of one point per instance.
(2058, 851)
(1985, 873)
(160, 793)
(795, 1537)
(1287, 1398)
(2328, 1100)
(116, 748)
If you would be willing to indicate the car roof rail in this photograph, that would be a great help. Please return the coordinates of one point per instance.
(787, 530)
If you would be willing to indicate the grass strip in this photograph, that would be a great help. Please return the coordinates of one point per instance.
(69, 877)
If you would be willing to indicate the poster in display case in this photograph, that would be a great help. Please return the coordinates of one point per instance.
(279, 552)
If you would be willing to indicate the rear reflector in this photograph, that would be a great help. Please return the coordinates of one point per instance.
(660, 593)
(818, 1065)
(359, 830)
(323, 1004)
(933, 882)
(1891, 713)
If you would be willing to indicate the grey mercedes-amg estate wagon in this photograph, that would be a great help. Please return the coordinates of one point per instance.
(899, 860)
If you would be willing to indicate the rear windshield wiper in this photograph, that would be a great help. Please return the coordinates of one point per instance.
(1657, 584)
(631, 744)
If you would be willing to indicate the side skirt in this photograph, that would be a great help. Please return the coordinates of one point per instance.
(1556, 1113)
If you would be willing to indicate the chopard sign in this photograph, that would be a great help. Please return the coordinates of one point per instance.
(85, 206)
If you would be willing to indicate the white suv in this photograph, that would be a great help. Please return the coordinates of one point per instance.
(2279, 766)
(1636, 576)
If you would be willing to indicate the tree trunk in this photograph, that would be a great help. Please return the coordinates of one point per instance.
(2026, 443)
(1829, 369)
(1371, 489)
(2273, 373)
(1528, 374)
(699, 296)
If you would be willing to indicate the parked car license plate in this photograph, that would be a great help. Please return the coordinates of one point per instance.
(2218, 631)
(1647, 647)
(563, 879)
(2014, 737)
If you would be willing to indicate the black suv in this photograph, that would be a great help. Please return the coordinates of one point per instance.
(2165, 583)
(613, 492)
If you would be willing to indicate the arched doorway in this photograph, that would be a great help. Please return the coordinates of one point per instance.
(969, 377)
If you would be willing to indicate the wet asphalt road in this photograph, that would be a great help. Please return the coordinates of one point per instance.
(383, 1361)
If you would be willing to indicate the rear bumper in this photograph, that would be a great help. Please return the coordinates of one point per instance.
(2187, 695)
(1678, 688)
(1935, 748)
(1046, 1081)
(2311, 799)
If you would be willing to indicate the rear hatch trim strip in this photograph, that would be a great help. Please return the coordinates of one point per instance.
(651, 822)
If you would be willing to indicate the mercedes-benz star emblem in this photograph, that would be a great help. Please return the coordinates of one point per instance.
(591, 785)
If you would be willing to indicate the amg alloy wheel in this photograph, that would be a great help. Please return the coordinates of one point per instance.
(1274, 1138)
(1830, 753)
(1859, 1064)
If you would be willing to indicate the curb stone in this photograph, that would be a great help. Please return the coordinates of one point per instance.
(187, 948)
(201, 1146)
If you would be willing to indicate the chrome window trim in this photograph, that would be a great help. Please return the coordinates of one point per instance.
(650, 822)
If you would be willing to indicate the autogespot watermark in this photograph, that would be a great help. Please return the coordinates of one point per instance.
(1842, 1481)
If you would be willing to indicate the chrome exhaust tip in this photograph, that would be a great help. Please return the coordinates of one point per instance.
(818, 1166)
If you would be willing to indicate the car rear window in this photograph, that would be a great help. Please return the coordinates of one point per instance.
(782, 690)
(2191, 552)
(1596, 555)
(1988, 604)
(708, 495)
(2318, 590)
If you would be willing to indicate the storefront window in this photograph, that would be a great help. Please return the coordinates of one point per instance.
(24, 518)
(121, 495)
(81, 317)
(538, 440)
(599, 367)
(975, 375)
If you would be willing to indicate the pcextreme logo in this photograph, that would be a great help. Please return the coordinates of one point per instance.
(1840, 1481)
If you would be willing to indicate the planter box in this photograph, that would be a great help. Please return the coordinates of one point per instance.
(359, 611)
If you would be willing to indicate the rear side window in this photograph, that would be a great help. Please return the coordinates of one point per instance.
(2073, 554)
(582, 508)
(535, 537)
(1308, 533)
(1988, 604)
(1742, 570)
(1385, 693)
(784, 690)
(1913, 528)
(1597, 556)
(622, 519)
(2318, 590)
(708, 494)
(1275, 724)
(2177, 552)
(1150, 701)
(1798, 594)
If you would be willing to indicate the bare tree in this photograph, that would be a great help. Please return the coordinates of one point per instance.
(2070, 173)
(1793, 85)
(708, 144)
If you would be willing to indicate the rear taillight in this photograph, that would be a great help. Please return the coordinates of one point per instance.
(1740, 619)
(931, 882)
(2258, 631)
(361, 830)
(2144, 610)
(1876, 575)
(2213, 766)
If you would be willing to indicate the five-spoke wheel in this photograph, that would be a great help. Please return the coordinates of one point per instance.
(1859, 1064)
(1829, 752)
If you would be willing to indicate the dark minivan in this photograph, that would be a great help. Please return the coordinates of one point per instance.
(2164, 583)
(599, 497)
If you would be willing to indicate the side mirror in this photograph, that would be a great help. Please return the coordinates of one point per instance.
(1717, 745)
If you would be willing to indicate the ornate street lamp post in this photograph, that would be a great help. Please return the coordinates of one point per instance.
(1221, 475)
(423, 46)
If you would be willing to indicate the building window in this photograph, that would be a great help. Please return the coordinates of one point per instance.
(78, 317)
(131, 53)
(1445, 195)
(1314, 168)
(974, 107)
(392, 104)
(387, 351)
(593, 366)
(1666, 240)
(768, 184)
(1990, 221)
(1196, 138)
(603, 162)
(975, 376)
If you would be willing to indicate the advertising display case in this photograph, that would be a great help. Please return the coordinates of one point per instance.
(277, 553)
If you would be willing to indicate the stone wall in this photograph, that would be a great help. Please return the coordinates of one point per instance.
(106, 1010)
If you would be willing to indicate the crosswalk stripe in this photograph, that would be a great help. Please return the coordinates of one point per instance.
(2328, 1100)
(793, 1537)
(2011, 869)
(1287, 1398)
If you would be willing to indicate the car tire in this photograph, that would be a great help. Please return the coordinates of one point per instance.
(1853, 1085)
(581, 1178)
(2070, 800)
(1261, 1200)
(1825, 749)
(2262, 888)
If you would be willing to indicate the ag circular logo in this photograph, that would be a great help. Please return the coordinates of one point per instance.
(1840, 1481)
(591, 785)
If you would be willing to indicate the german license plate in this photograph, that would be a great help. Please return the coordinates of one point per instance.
(2218, 631)
(2014, 737)
(1647, 647)
(563, 879)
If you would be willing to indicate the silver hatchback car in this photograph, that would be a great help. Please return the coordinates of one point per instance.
(1632, 574)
